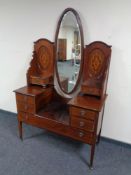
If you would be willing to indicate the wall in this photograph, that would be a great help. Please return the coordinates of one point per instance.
(23, 22)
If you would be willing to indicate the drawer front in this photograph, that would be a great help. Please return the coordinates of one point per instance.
(34, 80)
(40, 81)
(25, 98)
(83, 113)
(87, 125)
(86, 137)
(25, 107)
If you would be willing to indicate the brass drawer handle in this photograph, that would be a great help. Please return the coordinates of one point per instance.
(81, 124)
(82, 112)
(81, 134)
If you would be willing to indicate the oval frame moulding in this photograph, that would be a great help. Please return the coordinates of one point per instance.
(59, 88)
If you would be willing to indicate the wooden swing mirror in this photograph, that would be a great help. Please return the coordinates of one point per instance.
(69, 51)
(76, 109)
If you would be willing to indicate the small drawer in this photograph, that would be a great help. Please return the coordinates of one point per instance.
(40, 81)
(83, 113)
(25, 107)
(36, 80)
(87, 125)
(25, 98)
(86, 137)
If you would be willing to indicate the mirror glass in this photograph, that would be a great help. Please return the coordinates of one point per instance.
(68, 48)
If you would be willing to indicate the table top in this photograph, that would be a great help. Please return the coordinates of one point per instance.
(88, 102)
(32, 90)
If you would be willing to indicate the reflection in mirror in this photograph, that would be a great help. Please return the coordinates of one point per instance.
(68, 52)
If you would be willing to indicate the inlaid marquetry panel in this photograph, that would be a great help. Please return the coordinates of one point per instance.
(42, 65)
(96, 64)
(44, 55)
(44, 58)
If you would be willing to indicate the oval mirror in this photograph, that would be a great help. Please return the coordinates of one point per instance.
(69, 51)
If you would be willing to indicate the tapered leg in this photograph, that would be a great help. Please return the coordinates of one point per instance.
(98, 138)
(92, 155)
(99, 135)
(20, 129)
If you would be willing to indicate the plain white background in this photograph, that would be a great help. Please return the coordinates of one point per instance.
(23, 22)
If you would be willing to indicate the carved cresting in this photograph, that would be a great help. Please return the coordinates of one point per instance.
(96, 64)
(42, 65)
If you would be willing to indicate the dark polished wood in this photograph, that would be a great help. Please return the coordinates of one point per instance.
(96, 66)
(41, 68)
(79, 117)
(88, 102)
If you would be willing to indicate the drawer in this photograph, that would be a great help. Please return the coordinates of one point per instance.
(83, 136)
(83, 113)
(87, 125)
(25, 107)
(41, 122)
(40, 81)
(25, 98)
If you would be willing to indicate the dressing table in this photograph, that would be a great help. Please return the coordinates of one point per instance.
(64, 95)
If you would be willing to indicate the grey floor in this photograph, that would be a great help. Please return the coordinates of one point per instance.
(44, 153)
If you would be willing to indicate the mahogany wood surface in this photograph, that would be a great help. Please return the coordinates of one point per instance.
(79, 117)
(96, 66)
(88, 102)
(41, 68)
(55, 126)
(81, 123)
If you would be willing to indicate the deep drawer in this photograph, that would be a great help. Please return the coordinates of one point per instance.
(86, 137)
(87, 125)
(25, 98)
(83, 113)
(25, 107)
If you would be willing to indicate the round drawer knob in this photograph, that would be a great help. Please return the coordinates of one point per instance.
(82, 123)
(82, 112)
(81, 134)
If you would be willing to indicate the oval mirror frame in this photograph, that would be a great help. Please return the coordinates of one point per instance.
(82, 50)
